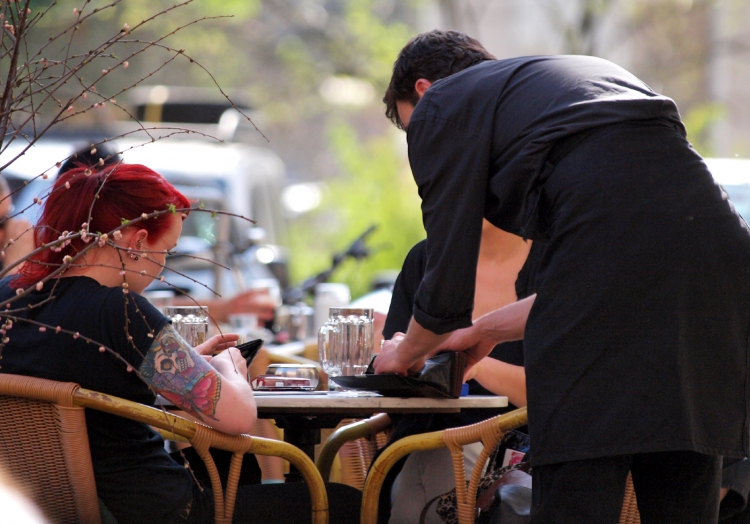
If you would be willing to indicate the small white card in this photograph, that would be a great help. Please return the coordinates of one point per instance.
(512, 457)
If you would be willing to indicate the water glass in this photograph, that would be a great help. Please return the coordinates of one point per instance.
(345, 342)
(191, 322)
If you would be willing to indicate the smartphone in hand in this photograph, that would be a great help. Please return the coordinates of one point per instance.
(250, 349)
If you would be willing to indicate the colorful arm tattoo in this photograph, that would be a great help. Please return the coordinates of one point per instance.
(181, 375)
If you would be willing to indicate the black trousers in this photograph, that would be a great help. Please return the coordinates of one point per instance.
(256, 503)
(679, 487)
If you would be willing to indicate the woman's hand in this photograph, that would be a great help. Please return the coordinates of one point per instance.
(231, 364)
(216, 344)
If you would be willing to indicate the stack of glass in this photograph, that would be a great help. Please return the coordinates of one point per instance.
(191, 322)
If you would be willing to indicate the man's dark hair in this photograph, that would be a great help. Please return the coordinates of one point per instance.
(432, 55)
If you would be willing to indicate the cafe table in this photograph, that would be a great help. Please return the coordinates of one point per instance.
(302, 414)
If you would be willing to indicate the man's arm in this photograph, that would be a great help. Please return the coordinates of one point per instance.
(408, 352)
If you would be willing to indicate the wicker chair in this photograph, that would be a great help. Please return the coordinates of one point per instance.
(489, 432)
(356, 442)
(44, 444)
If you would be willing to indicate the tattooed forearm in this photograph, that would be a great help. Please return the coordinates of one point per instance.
(181, 375)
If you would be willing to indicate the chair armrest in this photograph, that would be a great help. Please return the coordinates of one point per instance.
(361, 429)
(203, 437)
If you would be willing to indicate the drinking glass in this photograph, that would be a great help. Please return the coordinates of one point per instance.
(345, 342)
(191, 322)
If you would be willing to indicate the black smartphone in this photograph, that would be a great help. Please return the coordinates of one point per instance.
(250, 349)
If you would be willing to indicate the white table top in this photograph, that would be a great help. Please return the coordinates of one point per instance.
(346, 402)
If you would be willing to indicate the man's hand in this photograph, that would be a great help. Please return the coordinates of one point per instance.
(257, 301)
(391, 358)
(407, 352)
(470, 341)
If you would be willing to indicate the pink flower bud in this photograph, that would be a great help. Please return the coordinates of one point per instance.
(102, 349)
(42, 329)
(39, 286)
(125, 65)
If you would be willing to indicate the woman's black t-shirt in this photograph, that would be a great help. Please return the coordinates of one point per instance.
(135, 477)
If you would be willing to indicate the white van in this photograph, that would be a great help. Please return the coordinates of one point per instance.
(733, 174)
(241, 179)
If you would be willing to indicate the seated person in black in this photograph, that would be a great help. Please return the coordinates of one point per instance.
(74, 312)
(505, 273)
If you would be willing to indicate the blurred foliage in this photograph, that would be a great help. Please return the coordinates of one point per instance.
(280, 52)
(698, 122)
(378, 189)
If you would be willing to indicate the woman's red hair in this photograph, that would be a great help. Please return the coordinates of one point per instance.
(110, 194)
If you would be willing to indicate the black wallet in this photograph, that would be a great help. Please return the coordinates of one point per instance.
(441, 376)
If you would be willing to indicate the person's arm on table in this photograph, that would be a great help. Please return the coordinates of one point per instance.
(500, 378)
(216, 392)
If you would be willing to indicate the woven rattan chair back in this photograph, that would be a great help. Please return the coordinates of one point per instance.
(630, 514)
(44, 448)
(357, 455)
(70, 398)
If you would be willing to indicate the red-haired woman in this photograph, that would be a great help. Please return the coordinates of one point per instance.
(90, 325)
